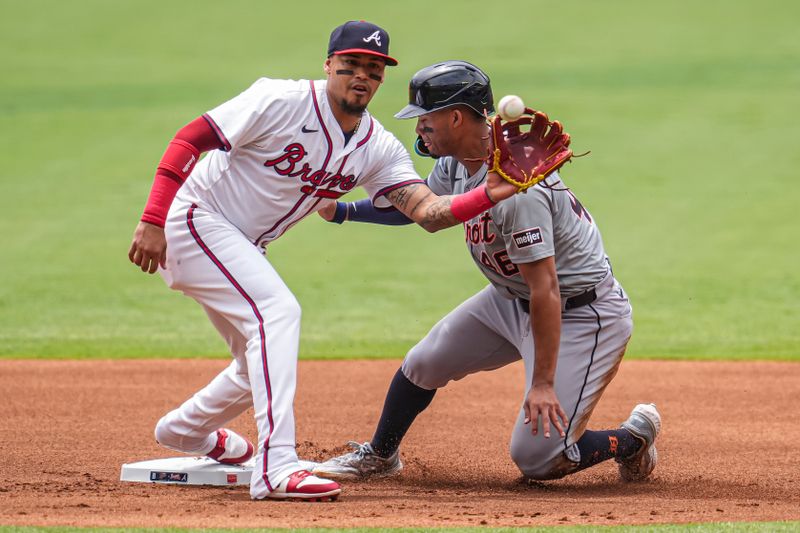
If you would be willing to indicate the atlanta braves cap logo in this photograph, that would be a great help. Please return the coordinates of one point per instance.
(361, 37)
(376, 36)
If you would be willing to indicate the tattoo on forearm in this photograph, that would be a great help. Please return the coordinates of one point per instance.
(430, 211)
(419, 202)
(401, 196)
(438, 214)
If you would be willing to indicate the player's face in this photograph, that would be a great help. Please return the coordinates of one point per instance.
(353, 79)
(437, 133)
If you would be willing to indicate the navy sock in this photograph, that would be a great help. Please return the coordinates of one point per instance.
(599, 446)
(404, 401)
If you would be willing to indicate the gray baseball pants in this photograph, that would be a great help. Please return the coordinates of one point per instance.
(489, 331)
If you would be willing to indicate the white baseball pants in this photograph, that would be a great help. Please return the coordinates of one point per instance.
(258, 316)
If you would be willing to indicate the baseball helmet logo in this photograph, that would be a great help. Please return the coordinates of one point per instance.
(376, 36)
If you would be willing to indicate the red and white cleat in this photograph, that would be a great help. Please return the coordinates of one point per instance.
(231, 448)
(303, 485)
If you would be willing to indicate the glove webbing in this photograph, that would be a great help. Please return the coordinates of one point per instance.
(521, 185)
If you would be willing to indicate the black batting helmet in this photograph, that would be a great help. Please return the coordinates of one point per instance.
(446, 84)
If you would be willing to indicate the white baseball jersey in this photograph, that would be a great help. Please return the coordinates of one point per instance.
(285, 152)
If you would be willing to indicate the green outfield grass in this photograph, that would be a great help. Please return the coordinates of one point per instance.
(689, 109)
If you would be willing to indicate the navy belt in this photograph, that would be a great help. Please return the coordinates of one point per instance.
(573, 302)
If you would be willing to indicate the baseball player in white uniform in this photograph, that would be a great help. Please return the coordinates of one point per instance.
(276, 152)
(552, 301)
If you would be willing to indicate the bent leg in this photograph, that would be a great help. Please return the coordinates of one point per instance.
(593, 342)
(215, 264)
(463, 342)
(191, 428)
(474, 337)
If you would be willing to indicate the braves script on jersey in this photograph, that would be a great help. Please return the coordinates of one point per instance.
(285, 152)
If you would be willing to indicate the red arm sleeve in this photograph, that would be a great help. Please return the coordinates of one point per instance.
(469, 204)
(176, 164)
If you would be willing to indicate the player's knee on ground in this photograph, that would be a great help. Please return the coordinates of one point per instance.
(555, 468)
(541, 462)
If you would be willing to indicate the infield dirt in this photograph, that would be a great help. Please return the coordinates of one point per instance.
(728, 450)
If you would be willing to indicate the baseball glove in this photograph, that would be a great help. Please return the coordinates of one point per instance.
(524, 158)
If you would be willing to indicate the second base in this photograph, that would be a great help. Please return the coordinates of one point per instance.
(192, 471)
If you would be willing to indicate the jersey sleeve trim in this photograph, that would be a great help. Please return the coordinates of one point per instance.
(394, 186)
(226, 145)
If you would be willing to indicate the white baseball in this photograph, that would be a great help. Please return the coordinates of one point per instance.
(510, 107)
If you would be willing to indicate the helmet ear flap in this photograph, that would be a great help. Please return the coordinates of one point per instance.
(421, 149)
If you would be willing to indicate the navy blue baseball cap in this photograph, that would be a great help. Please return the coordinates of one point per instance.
(360, 37)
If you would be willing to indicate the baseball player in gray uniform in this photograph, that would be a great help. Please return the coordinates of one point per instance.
(552, 301)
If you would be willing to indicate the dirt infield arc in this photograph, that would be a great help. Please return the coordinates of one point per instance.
(729, 450)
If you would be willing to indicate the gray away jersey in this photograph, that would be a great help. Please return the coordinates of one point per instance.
(525, 228)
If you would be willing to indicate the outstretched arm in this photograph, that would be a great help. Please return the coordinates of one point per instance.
(362, 211)
(433, 212)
